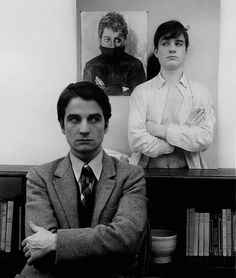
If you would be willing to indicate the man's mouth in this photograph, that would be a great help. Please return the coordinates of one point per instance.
(172, 57)
(84, 140)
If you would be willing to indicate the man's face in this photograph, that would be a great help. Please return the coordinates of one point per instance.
(84, 128)
(111, 39)
(171, 53)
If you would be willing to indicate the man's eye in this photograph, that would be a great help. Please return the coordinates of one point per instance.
(94, 119)
(73, 119)
(106, 40)
(164, 43)
(179, 44)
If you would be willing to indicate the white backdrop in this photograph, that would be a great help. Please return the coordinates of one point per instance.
(39, 58)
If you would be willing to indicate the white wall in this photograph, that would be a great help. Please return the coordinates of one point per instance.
(202, 17)
(38, 59)
(227, 86)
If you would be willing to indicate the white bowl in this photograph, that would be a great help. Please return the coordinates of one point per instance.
(163, 245)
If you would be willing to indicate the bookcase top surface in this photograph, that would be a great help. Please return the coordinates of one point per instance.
(12, 170)
(220, 173)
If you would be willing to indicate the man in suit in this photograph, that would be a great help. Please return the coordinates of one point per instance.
(103, 236)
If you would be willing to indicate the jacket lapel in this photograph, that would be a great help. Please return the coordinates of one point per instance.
(66, 188)
(104, 187)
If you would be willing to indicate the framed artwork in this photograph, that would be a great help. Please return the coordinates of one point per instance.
(114, 50)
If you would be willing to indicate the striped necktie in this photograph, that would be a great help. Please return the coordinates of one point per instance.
(86, 181)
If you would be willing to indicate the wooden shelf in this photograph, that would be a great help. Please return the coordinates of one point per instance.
(220, 173)
(14, 170)
(170, 193)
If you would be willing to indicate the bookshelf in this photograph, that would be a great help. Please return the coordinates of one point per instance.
(171, 193)
(12, 201)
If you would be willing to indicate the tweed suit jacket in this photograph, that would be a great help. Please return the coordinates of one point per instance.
(109, 247)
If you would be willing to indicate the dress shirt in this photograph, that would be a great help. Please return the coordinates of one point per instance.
(174, 100)
(95, 164)
(147, 103)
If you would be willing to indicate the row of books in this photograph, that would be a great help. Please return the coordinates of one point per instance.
(10, 225)
(210, 233)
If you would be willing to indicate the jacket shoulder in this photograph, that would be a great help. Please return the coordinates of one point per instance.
(126, 169)
(45, 170)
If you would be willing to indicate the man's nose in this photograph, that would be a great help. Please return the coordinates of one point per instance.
(84, 127)
(172, 47)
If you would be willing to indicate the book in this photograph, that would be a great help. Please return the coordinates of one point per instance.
(224, 233)
(211, 235)
(3, 224)
(0, 219)
(16, 222)
(229, 231)
(220, 234)
(201, 233)
(187, 232)
(10, 206)
(234, 233)
(20, 228)
(215, 234)
(206, 250)
(191, 232)
(196, 233)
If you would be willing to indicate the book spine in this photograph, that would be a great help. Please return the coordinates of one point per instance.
(201, 233)
(187, 231)
(234, 233)
(10, 205)
(211, 235)
(215, 235)
(191, 231)
(206, 250)
(220, 237)
(229, 231)
(196, 233)
(3, 225)
(20, 228)
(224, 233)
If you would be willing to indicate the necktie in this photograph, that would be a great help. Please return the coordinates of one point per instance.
(86, 181)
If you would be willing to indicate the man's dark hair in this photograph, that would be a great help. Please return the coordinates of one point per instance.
(169, 30)
(87, 91)
(114, 21)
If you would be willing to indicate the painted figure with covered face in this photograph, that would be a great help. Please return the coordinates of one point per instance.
(114, 70)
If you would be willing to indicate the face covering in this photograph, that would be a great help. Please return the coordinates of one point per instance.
(112, 53)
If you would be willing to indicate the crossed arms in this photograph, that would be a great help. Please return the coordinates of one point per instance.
(153, 139)
(120, 229)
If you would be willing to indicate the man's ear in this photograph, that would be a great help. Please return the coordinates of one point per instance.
(106, 127)
(156, 52)
(62, 127)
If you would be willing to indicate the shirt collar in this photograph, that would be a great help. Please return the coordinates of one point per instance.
(183, 81)
(181, 85)
(160, 81)
(95, 164)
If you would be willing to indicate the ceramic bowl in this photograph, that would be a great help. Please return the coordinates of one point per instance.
(163, 245)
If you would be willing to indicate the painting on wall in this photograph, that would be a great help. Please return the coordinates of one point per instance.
(114, 50)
